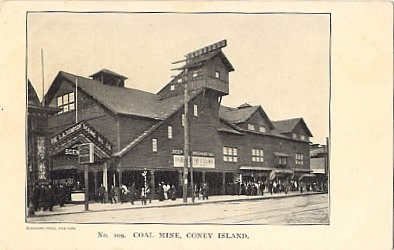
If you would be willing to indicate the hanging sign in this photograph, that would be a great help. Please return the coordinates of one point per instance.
(86, 153)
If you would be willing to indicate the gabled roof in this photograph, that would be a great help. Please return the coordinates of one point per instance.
(199, 60)
(121, 100)
(288, 125)
(242, 113)
(32, 97)
(109, 72)
(234, 115)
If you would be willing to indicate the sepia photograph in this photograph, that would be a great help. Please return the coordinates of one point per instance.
(178, 118)
(196, 125)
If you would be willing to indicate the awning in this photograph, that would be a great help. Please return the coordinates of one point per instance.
(284, 171)
(280, 154)
(305, 170)
(305, 176)
(64, 167)
(257, 168)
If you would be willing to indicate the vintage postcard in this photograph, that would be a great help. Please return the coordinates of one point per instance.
(201, 125)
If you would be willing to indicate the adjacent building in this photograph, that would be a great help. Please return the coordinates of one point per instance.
(135, 131)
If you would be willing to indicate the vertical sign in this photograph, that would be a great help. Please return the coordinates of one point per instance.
(86, 153)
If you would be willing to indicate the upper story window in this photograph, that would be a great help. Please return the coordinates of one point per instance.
(195, 110)
(172, 88)
(179, 80)
(299, 159)
(250, 126)
(169, 132)
(66, 102)
(154, 145)
(262, 129)
(282, 161)
(230, 154)
(217, 74)
(257, 155)
(195, 74)
(294, 135)
(302, 137)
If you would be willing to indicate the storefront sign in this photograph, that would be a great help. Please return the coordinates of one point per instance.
(198, 161)
(86, 153)
(196, 153)
(87, 130)
(71, 151)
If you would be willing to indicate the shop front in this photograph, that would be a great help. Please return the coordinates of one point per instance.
(65, 168)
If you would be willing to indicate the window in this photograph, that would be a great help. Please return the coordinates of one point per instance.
(195, 110)
(282, 161)
(172, 88)
(183, 119)
(250, 126)
(262, 129)
(230, 154)
(302, 137)
(169, 132)
(66, 102)
(179, 80)
(217, 74)
(154, 145)
(257, 155)
(294, 135)
(299, 159)
(195, 74)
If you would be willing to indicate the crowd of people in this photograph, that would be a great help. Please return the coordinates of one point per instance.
(46, 196)
(273, 187)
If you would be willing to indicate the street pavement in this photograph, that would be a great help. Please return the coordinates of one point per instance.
(291, 208)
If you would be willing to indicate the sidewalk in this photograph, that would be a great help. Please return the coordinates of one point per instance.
(98, 207)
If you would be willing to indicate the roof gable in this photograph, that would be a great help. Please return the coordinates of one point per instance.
(32, 96)
(125, 101)
(288, 125)
(242, 114)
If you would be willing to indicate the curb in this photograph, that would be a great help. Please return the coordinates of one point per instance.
(258, 198)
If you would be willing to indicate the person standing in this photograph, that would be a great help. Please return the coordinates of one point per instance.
(165, 190)
(143, 196)
(173, 192)
(149, 193)
(101, 193)
(205, 191)
(111, 194)
(160, 192)
(133, 193)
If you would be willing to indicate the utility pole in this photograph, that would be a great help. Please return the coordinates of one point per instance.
(186, 136)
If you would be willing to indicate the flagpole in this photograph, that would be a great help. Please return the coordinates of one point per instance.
(43, 78)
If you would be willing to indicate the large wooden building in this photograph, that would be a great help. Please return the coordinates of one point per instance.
(133, 130)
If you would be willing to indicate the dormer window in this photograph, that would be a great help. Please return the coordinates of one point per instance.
(179, 80)
(302, 137)
(172, 88)
(262, 129)
(294, 135)
(251, 127)
(217, 74)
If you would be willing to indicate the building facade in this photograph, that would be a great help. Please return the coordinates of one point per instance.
(135, 131)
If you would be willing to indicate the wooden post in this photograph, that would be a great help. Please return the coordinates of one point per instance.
(224, 183)
(152, 183)
(86, 174)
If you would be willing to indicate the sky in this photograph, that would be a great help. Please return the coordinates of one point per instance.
(281, 61)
